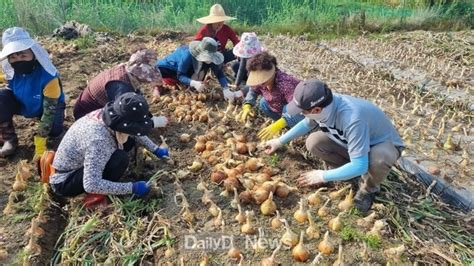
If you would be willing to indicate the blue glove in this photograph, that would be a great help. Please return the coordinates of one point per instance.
(140, 188)
(162, 152)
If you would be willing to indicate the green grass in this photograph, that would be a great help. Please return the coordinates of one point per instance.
(317, 17)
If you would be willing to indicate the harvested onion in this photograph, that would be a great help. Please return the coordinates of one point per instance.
(289, 238)
(300, 253)
(276, 221)
(325, 246)
(268, 207)
(301, 214)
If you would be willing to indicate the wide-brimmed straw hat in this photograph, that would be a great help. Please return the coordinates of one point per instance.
(248, 46)
(14, 40)
(259, 77)
(206, 51)
(129, 114)
(216, 14)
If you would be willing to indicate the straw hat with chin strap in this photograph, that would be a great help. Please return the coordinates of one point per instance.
(216, 14)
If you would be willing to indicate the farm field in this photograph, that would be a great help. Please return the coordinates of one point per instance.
(423, 80)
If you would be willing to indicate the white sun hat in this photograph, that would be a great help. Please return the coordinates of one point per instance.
(17, 39)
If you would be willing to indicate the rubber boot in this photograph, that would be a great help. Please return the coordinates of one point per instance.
(8, 139)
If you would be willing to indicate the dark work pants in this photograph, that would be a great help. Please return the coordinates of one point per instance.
(228, 55)
(114, 170)
(10, 106)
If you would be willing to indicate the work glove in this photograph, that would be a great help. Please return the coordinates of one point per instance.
(162, 152)
(245, 113)
(310, 178)
(272, 145)
(40, 147)
(228, 95)
(140, 188)
(272, 130)
(159, 121)
(198, 85)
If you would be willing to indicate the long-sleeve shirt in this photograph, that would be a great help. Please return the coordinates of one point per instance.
(181, 61)
(225, 34)
(356, 125)
(38, 94)
(88, 143)
(241, 72)
(281, 94)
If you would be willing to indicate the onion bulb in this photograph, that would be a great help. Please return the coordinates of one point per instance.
(35, 230)
(219, 221)
(201, 186)
(248, 228)
(241, 148)
(253, 164)
(282, 190)
(289, 238)
(300, 253)
(301, 214)
(315, 198)
(196, 166)
(260, 245)
(276, 222)
(268, 207)
(335, 223)
(260, 195)
(325, 246)
(206, 197)
(377, 228)
(367, 221)
(233, 253)
(240, 217)
(312, 231)
(347, 203)
(270, 261)
(324, 210)
(395, 253)
(245, 196)
(214, 209)
(218, 176)
(185, 138)
(199, 146)
(337, 194)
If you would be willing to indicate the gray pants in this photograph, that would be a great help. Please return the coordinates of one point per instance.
(381, 158)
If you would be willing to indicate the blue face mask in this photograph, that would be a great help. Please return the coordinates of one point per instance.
(24, 67)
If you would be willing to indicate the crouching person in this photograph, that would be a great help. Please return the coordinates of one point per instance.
(356, 139)
(92, 156)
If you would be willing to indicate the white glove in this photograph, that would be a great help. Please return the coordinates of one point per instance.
(238, 94)
(228, 95)
(310, 178)
(198, 85)
(159, 121)
(272, 145)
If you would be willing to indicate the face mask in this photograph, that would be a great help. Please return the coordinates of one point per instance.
(24, 67)
(323, 116)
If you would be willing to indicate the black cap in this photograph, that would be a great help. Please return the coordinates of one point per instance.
(309, 94)
(129, 114)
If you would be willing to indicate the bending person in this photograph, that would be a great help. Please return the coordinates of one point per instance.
(356, 139)
(92, 156)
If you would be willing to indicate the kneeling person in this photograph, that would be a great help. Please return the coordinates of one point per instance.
(91, 157)
(356, 138)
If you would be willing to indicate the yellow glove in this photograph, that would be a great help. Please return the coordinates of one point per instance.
(40, 146)
(2, 78)
(272, 130)
(246, 111)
